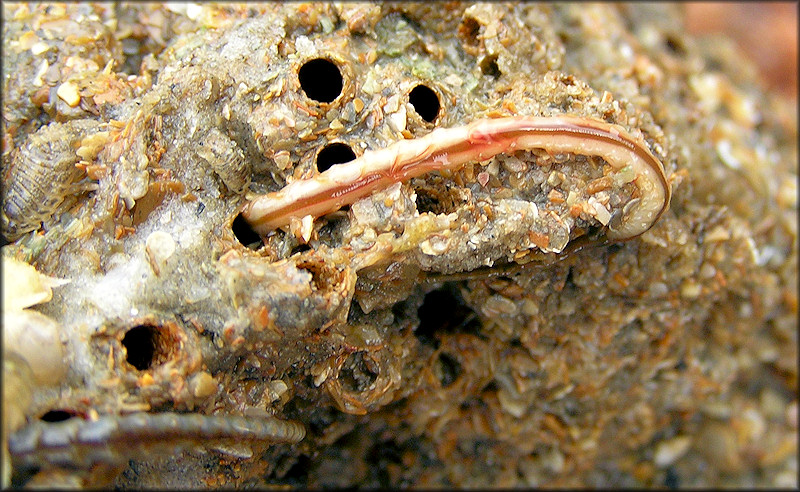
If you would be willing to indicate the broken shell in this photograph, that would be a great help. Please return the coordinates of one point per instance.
(202, 385)
(68, 92)
(35, 337)
(25, 286)
(17, 397)
(668, 452)
(159, 246)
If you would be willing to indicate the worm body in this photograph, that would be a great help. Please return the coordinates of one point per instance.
(113, 439)
(450, 148)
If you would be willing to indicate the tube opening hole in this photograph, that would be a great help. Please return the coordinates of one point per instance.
(449, 369)
(489, 66)
(332, 154)
(147, 346)
(445, 311)
(358, 372)
(468, 31)
(297, 476)
(321, 80)
(425, 102)
(323, 277)
(245, 234)
(56, 416)
(674, 44)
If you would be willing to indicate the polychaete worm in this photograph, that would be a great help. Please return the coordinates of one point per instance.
(115, 438)
(450, 148)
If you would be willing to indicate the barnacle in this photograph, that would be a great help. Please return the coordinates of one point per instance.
(559, 252)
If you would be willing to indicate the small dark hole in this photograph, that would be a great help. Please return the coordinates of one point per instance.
(427, 202)
(444, 311)
(358, 372)
(425, 102)
(355, 314)
(401, 310)
(468, 30)
(140, 344)
(671, 479)
(490, 387)
(245, 234)
(297, 475)
(317, 421)
(21, 475)
(321, 80)
(450, 370)
(56, 416)
(335, 153)
(674, 44)
(381, 456)
(470, 403)
(489, 67)
(300, 248)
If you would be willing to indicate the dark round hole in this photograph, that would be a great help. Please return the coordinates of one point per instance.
(245, 234)
(425, 102)
(450, 369)
(489, 67)
(56, 416)
(335, 153)
(147, 346)
(444, 311)
(297, 475)
(140, 344)
(426, 201)
(382, 457)
(321, 80)
(468, 31)
(674, 44)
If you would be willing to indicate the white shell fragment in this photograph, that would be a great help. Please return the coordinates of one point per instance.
(35, 337)
(24, 286)
(159, 246)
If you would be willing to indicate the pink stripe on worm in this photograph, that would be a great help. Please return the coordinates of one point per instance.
(450, 148)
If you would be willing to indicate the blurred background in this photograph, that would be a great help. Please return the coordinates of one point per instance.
(766, 32)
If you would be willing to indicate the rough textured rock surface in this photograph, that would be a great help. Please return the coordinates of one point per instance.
(432, 334)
